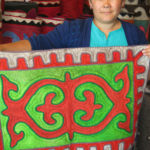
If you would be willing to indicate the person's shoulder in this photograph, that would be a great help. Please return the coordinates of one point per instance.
(129, 25)
(131, 28)
(134, 32)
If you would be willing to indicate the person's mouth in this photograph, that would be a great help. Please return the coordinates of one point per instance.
(107, 12)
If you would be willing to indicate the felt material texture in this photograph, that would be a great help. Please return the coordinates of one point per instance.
(22, 9)
(48, 24)
(71, 9)
(19, 28)
(83, 98)
(48, 8)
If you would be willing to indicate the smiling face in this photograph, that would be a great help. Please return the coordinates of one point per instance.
(106, 11)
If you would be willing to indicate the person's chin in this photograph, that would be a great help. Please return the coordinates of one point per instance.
(107, 21)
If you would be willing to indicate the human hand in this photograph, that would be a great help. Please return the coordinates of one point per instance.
(1, 47)
(146, 51)
(22, 45)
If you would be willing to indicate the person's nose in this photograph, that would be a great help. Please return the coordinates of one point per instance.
(107, 4)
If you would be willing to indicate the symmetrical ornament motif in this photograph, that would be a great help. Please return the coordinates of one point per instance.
(67, 99)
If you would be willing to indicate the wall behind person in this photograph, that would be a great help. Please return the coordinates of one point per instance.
(38, 16)
(1, 10)
(138, 12)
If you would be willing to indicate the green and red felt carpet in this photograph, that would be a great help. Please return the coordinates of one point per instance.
(71, 99)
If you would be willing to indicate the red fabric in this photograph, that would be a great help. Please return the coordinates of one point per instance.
(23, 9)
(13, 32)
(49, 11)
(32, 13)
(50, 24)
(48, 8)
(80, 5)
(69, 9)
(44, 0)
(2, 5)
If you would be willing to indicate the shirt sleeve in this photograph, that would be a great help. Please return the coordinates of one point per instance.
(53, 39)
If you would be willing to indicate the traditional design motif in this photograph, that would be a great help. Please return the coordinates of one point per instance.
(13, 27)
(136, 2)
(48, 8)
(21, 9)
(85, 98)
(139, 15)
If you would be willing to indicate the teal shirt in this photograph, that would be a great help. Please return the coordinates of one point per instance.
(115, 38)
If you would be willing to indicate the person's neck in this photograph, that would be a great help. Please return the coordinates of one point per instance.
(107, 27)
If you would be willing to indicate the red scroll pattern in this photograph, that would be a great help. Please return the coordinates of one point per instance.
(68, 107)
